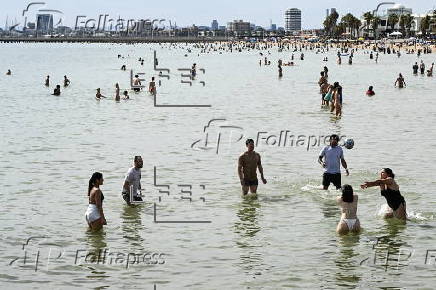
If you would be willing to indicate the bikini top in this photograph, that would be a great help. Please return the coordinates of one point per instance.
(102, 198)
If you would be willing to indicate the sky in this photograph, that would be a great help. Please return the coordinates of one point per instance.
(201, 12)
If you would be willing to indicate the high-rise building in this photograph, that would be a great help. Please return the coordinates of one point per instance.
(238, 26)
(214, 25)
(327, 13)
(273, 27)
(333, 10)
(293, 20)
(44, 22)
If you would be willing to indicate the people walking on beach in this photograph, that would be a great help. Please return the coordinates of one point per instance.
(348, 204)
(94, 214)
(391, 191)
(400, 81)
(333, 157)
(47, 81)
(248, 163)
(57, 91)
(132, 181)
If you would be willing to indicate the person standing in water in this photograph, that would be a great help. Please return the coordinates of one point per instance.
(422, 67)
(370, 91)
(94, 214)
(401, 82)
(8, 73)
(152, 87)
(98, 95)
(132, 182)
(66, 81)
(333, 157)
(57, 91)
(47, 81)
(194, 70)
(415, 68)
(117, 92)
(248, 163)
(391, 191)
(348, 204)
(137, 82)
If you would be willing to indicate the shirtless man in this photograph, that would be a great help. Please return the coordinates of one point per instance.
(401, 82)
(136, 82)
(248, 163)
(47, 81)
(322, 79)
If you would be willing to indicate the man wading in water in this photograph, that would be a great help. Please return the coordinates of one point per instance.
(248, 163)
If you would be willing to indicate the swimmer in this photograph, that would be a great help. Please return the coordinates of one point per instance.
(125, 95)
(57, 91)
(348, 204)
(370, 91)
(137, 82)
(8, 73)
(47, 81)
(400, 80)
(94, 214)
(152, 87)
(333, 156)
(133, 180)
(98, 95)
(117, 92)
(391, 191)
(123, 67)
(66, 81)
(248, 163)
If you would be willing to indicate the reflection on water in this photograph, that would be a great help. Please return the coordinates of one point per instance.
(247, 227)
(346, 262)
(132, 225)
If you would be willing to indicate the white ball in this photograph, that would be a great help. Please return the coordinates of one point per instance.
(349, 143)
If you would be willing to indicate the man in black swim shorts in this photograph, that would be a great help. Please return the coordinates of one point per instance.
(248, 163)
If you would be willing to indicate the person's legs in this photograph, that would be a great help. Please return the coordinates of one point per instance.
(325, 180)
(356, 227)
(336, 180)
(245, 189)
(400, 212)
(253, 189)
(96, 225)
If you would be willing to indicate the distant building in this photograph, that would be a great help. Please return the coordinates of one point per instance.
(327, 13)
(238, 26)
(214, 25)
(31, 25)
(399, 10)
(273, 27)
(222, 27)
(44, 22)
(293, 20)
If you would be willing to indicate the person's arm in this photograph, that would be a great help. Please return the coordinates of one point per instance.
(378, 182)
(259, 165)
(321, 156)
(240, 172)
(126, 185)
(344, 164)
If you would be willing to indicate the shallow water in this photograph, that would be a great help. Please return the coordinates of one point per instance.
(285, 238)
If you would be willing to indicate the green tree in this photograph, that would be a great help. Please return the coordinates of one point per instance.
(393, 20)
(375, 23)
(368, 18)
(425, 24)
(406, 21)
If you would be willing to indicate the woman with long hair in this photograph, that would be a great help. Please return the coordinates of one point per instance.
(94, 214)
(348, 204)
(391, 191)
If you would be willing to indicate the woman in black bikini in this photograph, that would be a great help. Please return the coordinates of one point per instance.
(391, 191)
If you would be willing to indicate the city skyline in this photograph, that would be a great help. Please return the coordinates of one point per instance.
(196, 13)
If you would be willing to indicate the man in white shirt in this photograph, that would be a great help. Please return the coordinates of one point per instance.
(133, 181)
(333, 157)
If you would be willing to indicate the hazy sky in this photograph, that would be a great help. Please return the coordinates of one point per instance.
(202, 12)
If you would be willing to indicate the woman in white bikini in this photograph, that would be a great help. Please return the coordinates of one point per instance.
(94, 214)
(348, 203)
